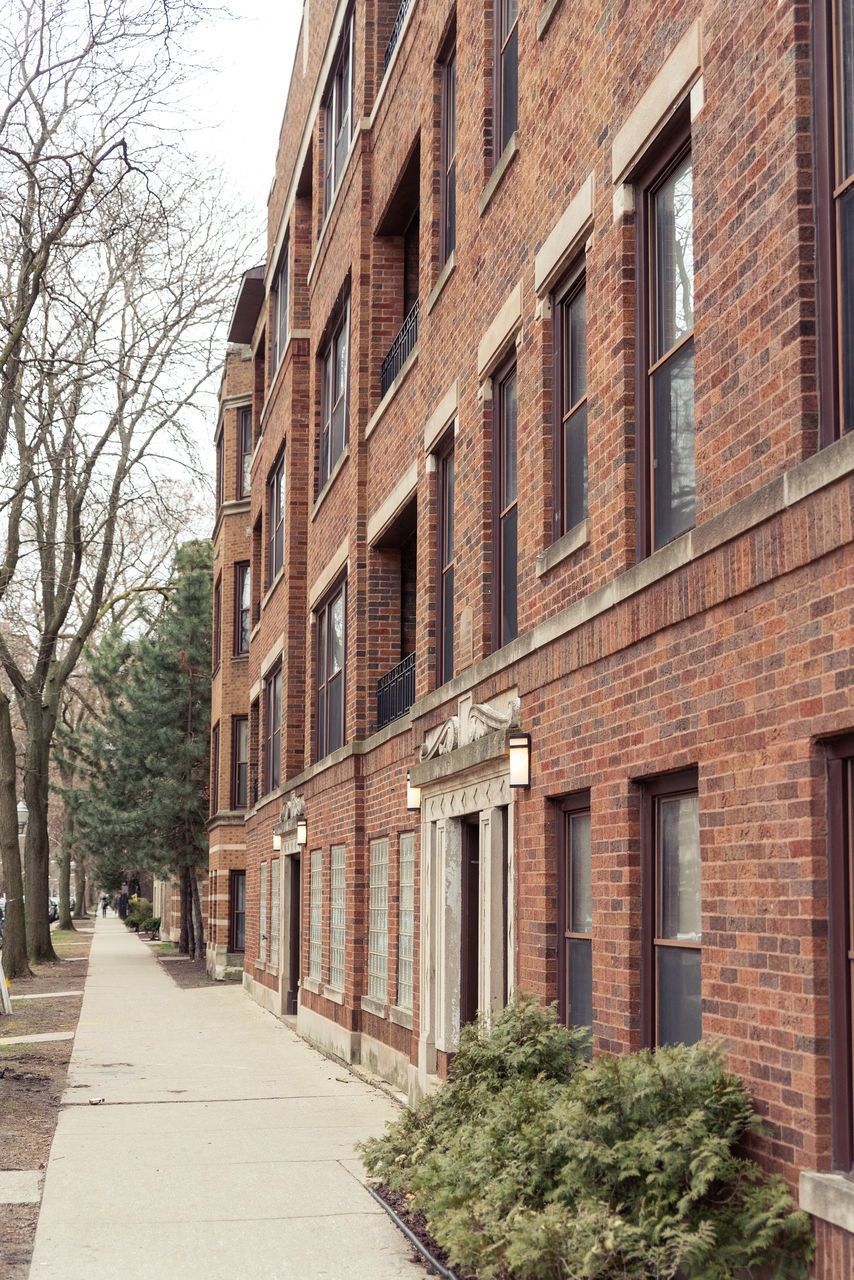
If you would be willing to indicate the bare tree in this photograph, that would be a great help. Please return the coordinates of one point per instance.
(109, 378)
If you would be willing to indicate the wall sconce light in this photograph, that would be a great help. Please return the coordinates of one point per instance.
(413, 795)
(520, 759)
(277, 842)
(23, 815)
(302, 832)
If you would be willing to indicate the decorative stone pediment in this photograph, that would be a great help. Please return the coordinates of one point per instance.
(441, 740)
(292, 810)
(473, 720)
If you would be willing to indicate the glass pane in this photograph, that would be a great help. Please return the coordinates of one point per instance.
(451, 110)
(579, 916)
(680, 1019)
(508, 577)
(575, 350)
(339, 419)
(575, 467)
(321, 648)
(341, 363)
(321, 723)
(244, 587)
(509, 88)
(509, 14)
(679, 868)
(673, 210)
(579, 983)
(451, 224)
(846, 305)
(247, 471)
(673, 446)
(448, 548)
(845, 44)
(336, 713)
(336, 634)
(508, 441)
(448, 625)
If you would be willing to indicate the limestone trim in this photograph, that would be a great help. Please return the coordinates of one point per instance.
(333, 476)
(329, 573)
(658, 103)
(828, 1196)
(393, 504)
(442, 415)
(566, 239)
(499, 336)
(379, 412)
(508, 155)
(562, 548)
(547, 12)
(444, 276)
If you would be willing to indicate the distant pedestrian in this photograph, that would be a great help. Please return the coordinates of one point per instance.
(104, 905)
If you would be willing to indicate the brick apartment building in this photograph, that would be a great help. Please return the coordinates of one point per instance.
(535, 441)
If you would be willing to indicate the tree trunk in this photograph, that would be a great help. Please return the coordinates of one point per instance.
(80, 889)
(14, 929)
(197, 915)
(191, 933)
(39, 725)
(184, 939)
(65, 921)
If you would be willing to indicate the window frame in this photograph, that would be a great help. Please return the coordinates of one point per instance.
(237, 763)
(263, 938)
(244, 450)
(445, 458)
(323, 636)
(406, 984)
(276, 482)
(327, 458)
(377, 977)
(281, 305)
(671, 148)
(501, 513)
(217, 623)
(653, 790)
(234, 877)
(337, 916)
(214, 796)
(315, 915)
(502, 43)
(570, 288)
(342, 70)
(242, 587)
(448, 159)
(272, 761)
(840, 853)
(220, 469)
(569, 807)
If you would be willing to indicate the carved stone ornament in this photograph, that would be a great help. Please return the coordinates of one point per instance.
(483, 719)
(474, 721)
(441, 740)
(292, 810)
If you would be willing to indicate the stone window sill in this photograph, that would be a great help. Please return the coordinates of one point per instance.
(444, 276)
(547, 12)
(828, 1196)
(312, 985)
(400, 1017)
(374, 1006)
(392, 391)
(574, 538)
(345, 454)
(333, 994)
(508, 155)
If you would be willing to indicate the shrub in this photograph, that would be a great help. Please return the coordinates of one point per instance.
(140, 910)
(150, 925)
(631, 1168)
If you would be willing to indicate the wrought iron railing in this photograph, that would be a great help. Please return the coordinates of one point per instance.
(399, 350)
(405, 6)
(396, 692)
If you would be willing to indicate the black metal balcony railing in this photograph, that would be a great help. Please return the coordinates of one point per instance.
(405, 6)
(396, 692)
(399, 350)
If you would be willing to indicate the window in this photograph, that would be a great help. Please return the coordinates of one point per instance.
(575, 913)
(334, 409)
(242, 607)
(280, 306)
(570, 405)
(220, 469)
(276, 520)
(274, 913)
(834, 80)
(338, 920)
(378, 922)
(262, 915)
(671, 910)
(331, 649)
(217, 623)
(840, 768)
(338, 116)
(239, 762)
(506, 72)
(237, 911)
(406, 923)
(445, 624)
(666, 348)
(504, 551)
(315, 914)
(215, 769)
(448, 151)
(244, 451)
(273, 730)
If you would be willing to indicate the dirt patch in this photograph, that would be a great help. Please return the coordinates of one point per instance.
(32, 1078)
(183, 971)
(416, 1222)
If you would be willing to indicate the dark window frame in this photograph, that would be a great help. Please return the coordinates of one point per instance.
(244, 449)
(281, 305)
(568, 807)
(238, 764)
(217, 623)
(671, 148)
(448, 160)
(276, 519)
(329, 406)
(567, 292)
(501, 512)
(220, 469)
(341, 80)
(242, 612)
(506, 49)
(445, 567)
(233, 913)
(214, 798)
(840, 851)
(323, 637)
(272, 761)
(652, 790)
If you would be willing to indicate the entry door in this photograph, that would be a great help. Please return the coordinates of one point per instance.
(470, 920)
(294, 934)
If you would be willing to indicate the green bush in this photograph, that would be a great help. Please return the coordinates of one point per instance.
(150, 925)
(529, 1165)
(140, 910)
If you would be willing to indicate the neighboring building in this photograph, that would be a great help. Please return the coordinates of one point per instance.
(551, 380)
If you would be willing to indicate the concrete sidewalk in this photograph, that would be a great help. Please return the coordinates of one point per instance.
(223, 1149)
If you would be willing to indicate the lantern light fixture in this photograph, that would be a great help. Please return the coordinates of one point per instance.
(519, 745)
(413, 795)
(302, 832)
(277, 842)
(23, 815)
